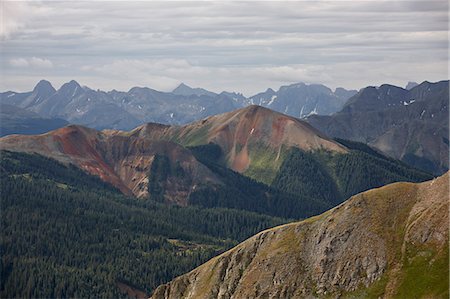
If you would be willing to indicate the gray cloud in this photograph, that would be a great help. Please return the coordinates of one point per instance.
(243, 46)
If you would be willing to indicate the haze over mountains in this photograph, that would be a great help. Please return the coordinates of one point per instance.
(126, 110)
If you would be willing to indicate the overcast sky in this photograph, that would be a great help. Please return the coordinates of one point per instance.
(234, 46)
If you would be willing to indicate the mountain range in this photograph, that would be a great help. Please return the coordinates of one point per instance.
(93, 213)
(15, 120)
(390, 242)
(127, 110)
(410, 125)
(253, 158)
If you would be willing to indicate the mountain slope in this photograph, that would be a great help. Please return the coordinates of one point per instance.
(410, 125)
(15, 120)
(264, 145)
(67, 234)
(162, 171)
(386, 242)
(254, 139)
(298, 171)
(122, 161)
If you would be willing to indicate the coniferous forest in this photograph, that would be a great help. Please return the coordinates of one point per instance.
(68, 234)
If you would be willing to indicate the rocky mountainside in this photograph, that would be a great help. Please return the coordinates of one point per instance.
(126, 110)
(254, 140)
(383, 243)
(410, 125)
(120, 160)
(257, 142)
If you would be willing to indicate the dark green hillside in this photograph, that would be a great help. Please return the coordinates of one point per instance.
(67, 234)
(244, 193)
(332, 177)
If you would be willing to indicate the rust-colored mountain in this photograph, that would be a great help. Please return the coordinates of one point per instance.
(114, 156)
(254, 139)
(389, 242)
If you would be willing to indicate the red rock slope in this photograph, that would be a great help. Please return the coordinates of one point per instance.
(114, 156)
(251, 138)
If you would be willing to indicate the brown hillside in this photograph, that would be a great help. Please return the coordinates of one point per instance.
(114, 156)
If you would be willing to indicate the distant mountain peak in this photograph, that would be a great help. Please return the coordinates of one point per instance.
(71, 86)
(182, 86)
(44, 86)
(411, 85)
(186, 90)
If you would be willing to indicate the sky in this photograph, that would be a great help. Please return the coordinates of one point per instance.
(245, 46)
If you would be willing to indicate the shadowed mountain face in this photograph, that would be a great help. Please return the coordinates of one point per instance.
(410, 125)
(15, 120)
(126, 110)
(386, 242)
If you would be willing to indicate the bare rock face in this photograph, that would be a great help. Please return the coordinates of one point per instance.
(365, 247)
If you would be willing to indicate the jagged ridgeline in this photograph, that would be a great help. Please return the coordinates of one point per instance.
(69, 234)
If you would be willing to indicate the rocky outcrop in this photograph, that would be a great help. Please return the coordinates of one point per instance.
(366, 247)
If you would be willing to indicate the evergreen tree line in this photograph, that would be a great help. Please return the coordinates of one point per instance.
(334, 177)
(241, 192)
(307, 183)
